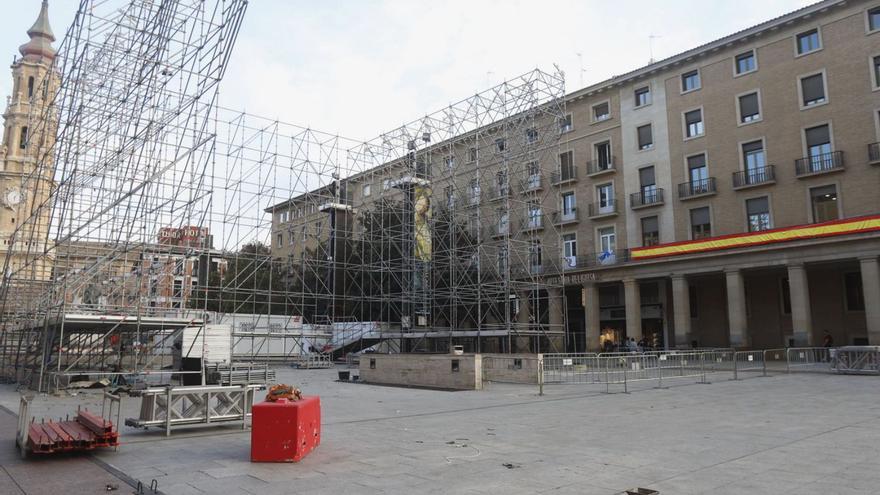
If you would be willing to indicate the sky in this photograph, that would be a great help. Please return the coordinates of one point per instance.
(358, 68)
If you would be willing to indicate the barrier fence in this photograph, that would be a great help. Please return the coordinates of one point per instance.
(621, 368)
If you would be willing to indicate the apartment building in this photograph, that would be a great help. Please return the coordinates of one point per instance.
(726, 196)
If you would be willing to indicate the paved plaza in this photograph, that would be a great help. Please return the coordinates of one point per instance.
(800, 433)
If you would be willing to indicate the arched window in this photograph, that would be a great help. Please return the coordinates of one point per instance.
(22, 142)
(31, 87)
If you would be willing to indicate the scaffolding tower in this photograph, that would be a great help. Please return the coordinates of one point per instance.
(167, 211)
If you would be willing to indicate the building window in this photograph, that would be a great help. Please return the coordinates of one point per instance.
(808, 42)
(701, 226)
(819, 147)
(648, 185)
(601, 112)
(855, 298)
(531, 135)
(758, 210)
(566, 165)
(812, 90)
(605, 195)
(501, 144)
(690, 81)
(535, 254)
(503, 220)
(569, 205)
(607, 243)
(603, 156)
(823, 201)
(875, 64)
(874, 19)
(502, 261)
(22, 141)
(693, 300)
(472, 155)
(450, 162)
(366, 190)
(475, 190)
(754, 162)
(650, 231)
(30, 87)
(698, 173)
(565, 124)
(455, 365)
(745, 63)
(643, 96)
(749, 108)
(645, 136)
(386, 184)
(450, 197)
(569, 249)
(280, 240)
(693, 122)
(535, 214)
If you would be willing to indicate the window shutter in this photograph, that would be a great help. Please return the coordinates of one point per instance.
(700, 216)
(693, 117)
(752, 147)
(698, 161)
(757, 206)
(645, 136)
(813, 89)
(818, 135)
(748, 104)
(646, 176)
(649, 224)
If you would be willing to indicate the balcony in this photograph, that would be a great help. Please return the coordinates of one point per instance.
(601, 210)
(532, 223)
(499, 230)
(819, 164)
(533, 183)
(754, 177)
(500, 193)
(874, 153)
(646, 198)
(600, 167)
(697, 188)
(565, 176)
(565, 217)
(605, 258)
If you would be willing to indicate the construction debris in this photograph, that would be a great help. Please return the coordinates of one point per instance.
(282, 391)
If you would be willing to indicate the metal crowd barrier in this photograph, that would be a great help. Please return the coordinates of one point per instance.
(623, 368)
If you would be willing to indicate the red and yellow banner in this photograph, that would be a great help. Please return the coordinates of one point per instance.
(812, 231)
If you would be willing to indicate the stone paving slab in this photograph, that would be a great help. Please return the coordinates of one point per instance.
(794, 433)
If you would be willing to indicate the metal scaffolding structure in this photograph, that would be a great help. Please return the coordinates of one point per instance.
(167, 211)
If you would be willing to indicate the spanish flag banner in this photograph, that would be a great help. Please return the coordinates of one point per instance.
(812, 231)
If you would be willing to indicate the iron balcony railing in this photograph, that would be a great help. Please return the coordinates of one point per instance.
(601, 165)
(532, 183)
(500, 192)
(754, 176)
(825, 162)
(874, 152)
(563, 217)
(697, 188)
(605, 258)
(566, 174)
(648, 197)
(603, 208)
(532, 222)
(499, 230)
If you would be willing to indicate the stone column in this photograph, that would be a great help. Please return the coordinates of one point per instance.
(524, 314)
(736, 309)
(681, 310)
(556, 308)
(633, 309)
(871, 291)
(591, 316)
(801, 319)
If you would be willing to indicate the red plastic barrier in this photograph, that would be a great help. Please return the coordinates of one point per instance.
(285, 431)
